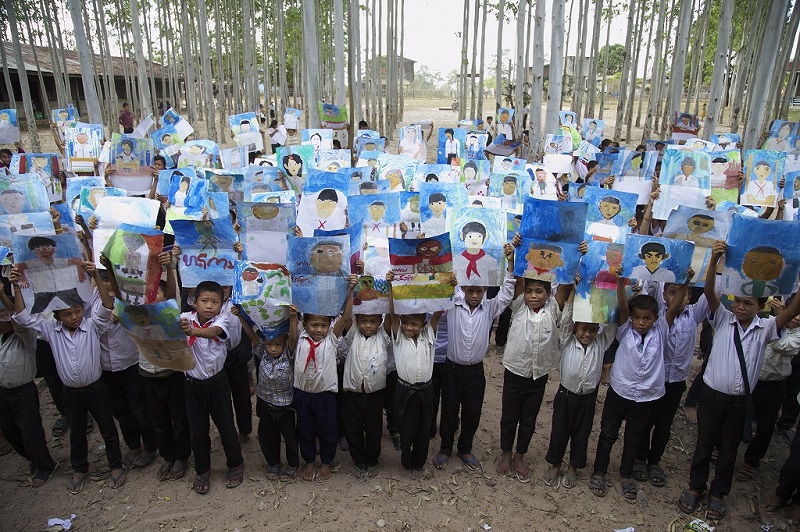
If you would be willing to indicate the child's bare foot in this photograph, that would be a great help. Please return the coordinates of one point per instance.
(571, 479)
(117, 478)
(418, 474)
(324, 473)
(130, 457)
(521, 469)
(504, 464)
(307, 473)
(43, 475)
(551, 475)
(165, 470)
(178, 469)
(691, 413)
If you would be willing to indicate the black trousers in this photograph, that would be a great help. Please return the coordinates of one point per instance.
(389, 404)
(720, 419)
(316, 418)
(616, 410)
(275, 422)
(239, 382)
(211, 398)
(363, 419)
(46, 368)
(768, 396)
(21, 424)
(573, 416)
(789, 479)
(436, 384)
(79, 402)
(791, 409)
(662, 413)
(522, 399)
(167, 408)
(414, 411)
(129, 405)
(463, 388)
(693, 397)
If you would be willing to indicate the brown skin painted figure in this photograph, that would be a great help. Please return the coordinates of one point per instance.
(761, 264)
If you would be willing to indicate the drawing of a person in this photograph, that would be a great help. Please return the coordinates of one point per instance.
(377, 210)
(759, 190)
(504, 125)
(143, 327)
(179, 199)
(603, 293)
(248, 137)
(50, 275)
(470, 172)
(207, 240)
(410, 215)
(543, 260)
(478, 267)
(12, 201)
(410, 145)
(472, 148)
(451, 145)
(653, 254)
(569, 120)
(795, 146)
(718, 176)
(761, 265)
(684, 121)
(127, 156)
(542, 187)
(698, 225)
(326, 259)
(293, 164)
(436, 224)
(81, 149)
(779, 142)
(367, 188)
(252, 283)
(5, 120)
(795, 193)
(427, 259)
(592, 132)
(508, 192)
(608, 227)
(40, 166)
(396, 181)
(325, 207)
(686, 177)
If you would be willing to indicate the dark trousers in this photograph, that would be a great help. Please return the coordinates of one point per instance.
(693, 397)
(167, 408)
(363, 423)
(768, 396)
(21, 424)
(616, 410)
(662, 413)
(274, 422)
(414, 411)
(129, 405)
(789, 479)
(316, 418)
(46, 368)
(790, 408)
(462, 389)
(79, 402)
(211, 398)
(389, 405)
(522, 399)
(436, 384)
(573, 416)
(720, 419)
(503, 324)
(239, 382)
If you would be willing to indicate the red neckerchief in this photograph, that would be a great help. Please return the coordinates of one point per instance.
(473, 259)
(760, 187)
(198, 326)
(312, 353)
(540, 271)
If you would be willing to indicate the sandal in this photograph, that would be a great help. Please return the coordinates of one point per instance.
(657, 476)
(43, 475)
(570, 481)
(746, 473)
(597, 484)
(715, 510)
(689, 501)
(523, 475)
(373, 470)
(164, 470)
(175, 474)
(60, 427)
(76, 487)
(200, 484)
(144, 459)
(440, 460)
(503, 471)
(289, 473)
(470, 462)
(273, 472)
(119, 480)
(629, 489)
(235, 476)
(640, 470)
(550, 478)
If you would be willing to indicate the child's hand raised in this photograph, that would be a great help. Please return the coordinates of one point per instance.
(689, 274)
(577, 279)
(15, 277)
(353, 281)
(618, 272)
(105, 262)
(360, 266)
(508, 251)
(297, 231)
(292, 312)
(89, 267)
(711, 203)
(238, 247)
(176, 251)
(776, 305)
(55, 215)
(453, 280)
(186, 327)
(92, 222)
(389, 276)
(719, 248)
(610, 181)
(516, 241)
(583, 248)
(633, 223)
(164, 258)
(235, 311)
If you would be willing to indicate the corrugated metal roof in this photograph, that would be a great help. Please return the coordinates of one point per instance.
(73, 65)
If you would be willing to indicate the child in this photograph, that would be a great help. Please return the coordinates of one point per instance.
(722, 409)
(316, 345)
(582, 346)
(637, 379)
(413, 355)
(463, 381)
(20, 421)
(206, 389)
(75, 341)
(274, 398)
(679, 321)
(364, 383)
(531, 353)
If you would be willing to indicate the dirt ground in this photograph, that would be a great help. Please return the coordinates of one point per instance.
(452, 499)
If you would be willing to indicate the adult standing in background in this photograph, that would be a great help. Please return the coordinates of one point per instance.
(126, 118)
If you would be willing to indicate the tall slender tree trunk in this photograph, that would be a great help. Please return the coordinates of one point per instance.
(87, 76)
(664, 113)
(381, 74)
(580, 60)
(626, 67)
(634, 70)
(40, 79)
(402, 56)
(338, 56)
(605, 59)
(484, 13)
(12, 100)
(56, 18)
(679, 58)
(595, 54)
(644, 76)
(719, 74)
(554, 83)
(743, 68)
(463, 70)
(787, 44)
(537, 86)
(498, 91)
(310, 58)
(520, 75)
(250, 80)
(58, 75)
(188, 65)
(22, 75)
(473, 70)
(375, 77)
(281, 59)
(145, 106)
(206, 78)
(354, 65)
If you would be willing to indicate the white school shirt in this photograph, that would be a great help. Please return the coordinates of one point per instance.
(638, 370)
(723, 373)
(468, 330)
(779, 354)
(18, 357)
(77, 355)
(319, 374)
(365, 365)
(532, 347)
(210, 353)
(414, 359)
(581, 367)
(680, 339)
(117, 349)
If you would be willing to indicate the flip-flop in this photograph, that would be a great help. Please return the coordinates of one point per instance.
(502, 471)
(470, 462)
(440, 460)
(200, 483)
(60, 427)
(273, 472)
(523, 475)
(289, 473)
(235, 476)
(640, 470)
(657, 476)
(715, 510)
(164, 470)
(570, 481)
(689, 501)
(746, 473)
(77, 487)
(597, 485)
(549, 478)
(176, 474)
(44, 474)
(118, 480)
(629, 489)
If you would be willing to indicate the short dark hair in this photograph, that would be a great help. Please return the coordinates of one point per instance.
(658, 247)
(610, 199)
(473, 227)
(160, 158)
(645, 303)
(545, 284)
(436, 196)
(209, 286)
(449, 130)
(39, 241)
(510, 178)
(328, 194)
(6, 151)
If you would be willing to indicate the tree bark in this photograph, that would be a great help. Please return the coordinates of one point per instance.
(644, 75)
(634, 69)
(354, 66)
(145, 99)
(605, 60)
(719, 75)
(537, 86)
(484, 12)
(595, 54)
(310, 58)
(626, 68)
(679, 58)
(473, 70)
(554, 83)
(87, 76)
(498, 91)
(207, 83)
(462, 78)
(338, 28)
